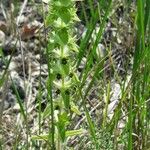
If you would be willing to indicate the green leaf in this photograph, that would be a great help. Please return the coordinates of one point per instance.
(65, 15)
(66, 69)
(40, 137)
(66, 98)
(63, 34)
(47, 111)
(61, 125)
(68, 134)
(75, 109)
(1, 52)
(63, 3)
(75, 132)
(61, 37)
(51, 46)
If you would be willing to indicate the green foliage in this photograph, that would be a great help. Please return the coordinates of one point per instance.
(62, 51)
(67, 115)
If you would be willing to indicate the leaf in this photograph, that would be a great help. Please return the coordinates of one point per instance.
(40, 137)
(75, 109)
(65, 15)
(61, 125)
(69, 133)
(66, 98)
(47, 111)
(75, 132)
(63, 3)
(66, 69)
(63, 35)
(1, 52)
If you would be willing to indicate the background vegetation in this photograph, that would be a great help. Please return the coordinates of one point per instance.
(96, 92)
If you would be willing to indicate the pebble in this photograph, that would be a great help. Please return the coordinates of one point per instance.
(2, 38)
(10, 100)
(100, 51)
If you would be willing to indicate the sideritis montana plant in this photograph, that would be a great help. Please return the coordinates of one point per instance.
(62, 51)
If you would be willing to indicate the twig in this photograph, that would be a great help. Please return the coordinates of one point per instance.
(4, 94)
(3, 11)
(21, 11)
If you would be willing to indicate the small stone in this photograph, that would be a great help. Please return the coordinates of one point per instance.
(121, 125)
(22, 19)
(10, 100)
(12, 66)
(100, 51)
(45, 1)
(16, 108)
(2, 38)
(119, 40)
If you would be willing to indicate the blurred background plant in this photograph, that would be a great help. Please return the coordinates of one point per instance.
(96, 90)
